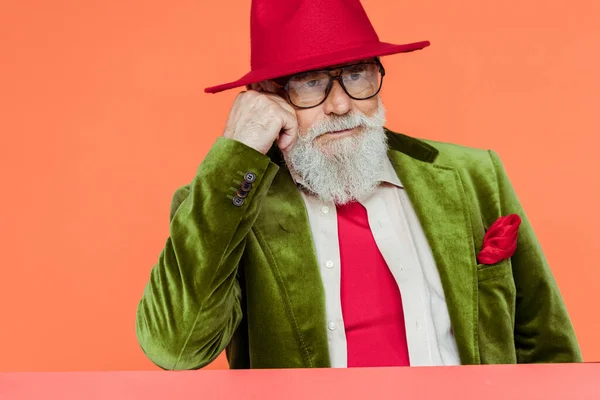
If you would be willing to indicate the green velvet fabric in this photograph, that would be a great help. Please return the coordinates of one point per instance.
(246, 280)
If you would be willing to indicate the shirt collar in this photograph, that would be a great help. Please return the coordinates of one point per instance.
(389, 175)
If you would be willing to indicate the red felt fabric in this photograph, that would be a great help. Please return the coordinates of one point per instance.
(294, 36)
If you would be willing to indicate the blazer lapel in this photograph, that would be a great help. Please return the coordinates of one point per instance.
(438, 197)
(439, 200)
(285, 232)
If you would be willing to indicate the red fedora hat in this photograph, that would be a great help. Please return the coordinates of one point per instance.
(291, 36)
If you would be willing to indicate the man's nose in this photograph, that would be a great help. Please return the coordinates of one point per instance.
(338, 102)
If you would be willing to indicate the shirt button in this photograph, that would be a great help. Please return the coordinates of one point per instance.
(325, 209)
(331, 326)
(329, 264)
(420, 325)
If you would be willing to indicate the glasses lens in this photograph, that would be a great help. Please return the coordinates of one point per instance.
(362, 81)
(308, 89)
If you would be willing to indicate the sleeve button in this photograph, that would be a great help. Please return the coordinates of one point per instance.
(242, 194)
(245, 186)
(250, 177)
(238, 201)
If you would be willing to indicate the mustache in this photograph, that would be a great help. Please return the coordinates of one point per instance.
(354, 119)
(335, 124)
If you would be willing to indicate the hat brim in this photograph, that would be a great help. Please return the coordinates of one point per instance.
(344, 56)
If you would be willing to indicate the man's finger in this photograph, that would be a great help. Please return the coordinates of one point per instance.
(289, 132)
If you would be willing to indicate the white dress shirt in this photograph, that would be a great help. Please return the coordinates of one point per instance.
(402, 243)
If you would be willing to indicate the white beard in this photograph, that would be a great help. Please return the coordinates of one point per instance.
(344, 169)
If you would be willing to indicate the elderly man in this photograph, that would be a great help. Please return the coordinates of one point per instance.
(312, 236)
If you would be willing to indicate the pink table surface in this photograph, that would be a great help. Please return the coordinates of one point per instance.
(542, 381)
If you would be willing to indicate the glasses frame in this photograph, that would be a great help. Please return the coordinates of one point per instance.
(284, 85)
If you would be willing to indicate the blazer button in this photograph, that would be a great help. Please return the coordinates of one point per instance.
(250, 177)
(242, 194)
(238, 202)
(245, 186)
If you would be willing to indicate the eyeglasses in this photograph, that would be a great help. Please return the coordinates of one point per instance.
(310, 89)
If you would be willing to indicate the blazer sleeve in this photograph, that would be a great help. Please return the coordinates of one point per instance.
(190, 307)
(543, 330)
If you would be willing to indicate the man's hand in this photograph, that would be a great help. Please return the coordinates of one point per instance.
(257, 119)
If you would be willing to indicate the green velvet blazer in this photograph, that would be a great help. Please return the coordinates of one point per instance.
(245, 278)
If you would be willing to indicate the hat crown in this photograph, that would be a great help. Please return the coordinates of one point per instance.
(283, 31)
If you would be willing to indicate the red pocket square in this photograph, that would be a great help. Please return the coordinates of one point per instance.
(500, 241)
